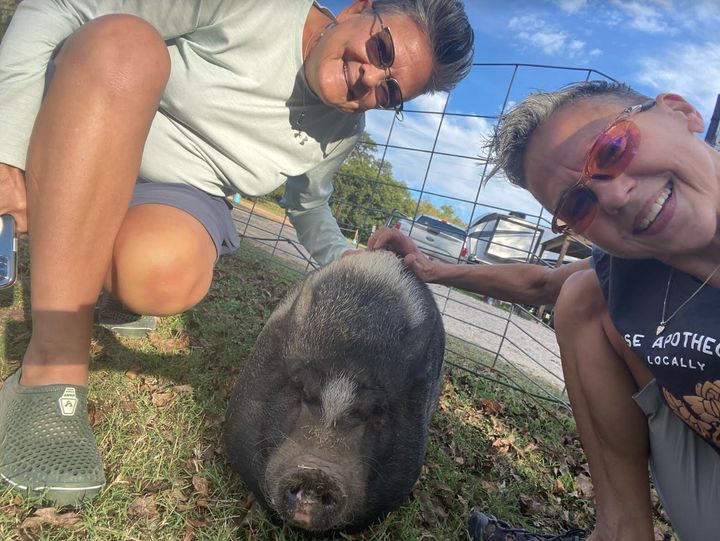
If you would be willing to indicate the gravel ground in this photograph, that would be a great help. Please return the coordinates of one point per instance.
(527, 346)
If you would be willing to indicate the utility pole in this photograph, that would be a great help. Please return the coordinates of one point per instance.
(712, 137)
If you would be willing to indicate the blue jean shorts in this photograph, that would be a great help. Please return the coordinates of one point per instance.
(213, 212)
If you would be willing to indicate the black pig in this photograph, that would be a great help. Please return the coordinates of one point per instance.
(328, 422)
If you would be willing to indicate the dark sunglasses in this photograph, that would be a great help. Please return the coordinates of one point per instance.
(608, 157)
(381, 53)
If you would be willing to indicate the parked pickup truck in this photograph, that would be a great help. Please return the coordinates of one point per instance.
(436, 238)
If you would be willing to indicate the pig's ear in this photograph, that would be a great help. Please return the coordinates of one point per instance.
(303, 300)
(283, 308)
(426, 340)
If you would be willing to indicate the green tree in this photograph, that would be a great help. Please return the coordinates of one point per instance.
(366, 192)
(445, 212)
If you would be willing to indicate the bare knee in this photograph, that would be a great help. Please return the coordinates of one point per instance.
(580, 303)
(160, 282)
(158, 269)
(122, 54)
(579, 318)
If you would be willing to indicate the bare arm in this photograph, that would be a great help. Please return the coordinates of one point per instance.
(514, 282)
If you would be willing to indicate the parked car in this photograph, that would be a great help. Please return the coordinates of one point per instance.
(435, 237)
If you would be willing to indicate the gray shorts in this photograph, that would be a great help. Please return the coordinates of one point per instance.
(684, 468)
(213, 212)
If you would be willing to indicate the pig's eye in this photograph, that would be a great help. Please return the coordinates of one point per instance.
(368, 414)
(313, 404)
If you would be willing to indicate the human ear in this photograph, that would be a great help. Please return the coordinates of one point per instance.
(354, 8)
(677, 103)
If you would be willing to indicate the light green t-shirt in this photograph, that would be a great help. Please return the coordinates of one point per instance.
(230, 117)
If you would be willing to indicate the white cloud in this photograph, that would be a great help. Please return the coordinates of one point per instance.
(572, 6)
(689, 69)
(645, 17)
(535, 32)
(430, 102)
(706, 11)
(456, 167)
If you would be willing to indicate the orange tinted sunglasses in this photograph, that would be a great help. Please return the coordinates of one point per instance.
(608, 157)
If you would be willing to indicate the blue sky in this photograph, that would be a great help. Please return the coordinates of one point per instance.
(652, 45)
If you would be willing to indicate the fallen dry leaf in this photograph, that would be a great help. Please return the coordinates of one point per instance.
(161, 400)
(583, 485)
(127, 405)
(189, 532)
(169, 345)
(144, 507)
(431, 510)
(528, 505)
(200, 484)
(95, 416)
(491, 406)
(133, 371)
(48, 516)
(503, 445)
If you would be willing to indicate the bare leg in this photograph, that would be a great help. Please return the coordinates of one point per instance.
(82, 164)
(162, 261)
(601, 376)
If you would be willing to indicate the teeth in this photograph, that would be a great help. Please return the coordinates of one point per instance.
(656, 208)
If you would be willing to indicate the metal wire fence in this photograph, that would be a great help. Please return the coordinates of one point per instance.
(438, 151)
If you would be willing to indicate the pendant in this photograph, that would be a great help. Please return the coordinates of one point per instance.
(660, 328)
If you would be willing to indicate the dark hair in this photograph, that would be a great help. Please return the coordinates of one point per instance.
(514, 129)
(450, 36)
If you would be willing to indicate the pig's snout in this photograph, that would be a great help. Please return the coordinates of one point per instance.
(312, 499)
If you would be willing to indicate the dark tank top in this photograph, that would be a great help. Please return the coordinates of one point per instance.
(685, 356)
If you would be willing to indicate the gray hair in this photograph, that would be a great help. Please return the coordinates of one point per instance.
(514, 129)
(449, 34)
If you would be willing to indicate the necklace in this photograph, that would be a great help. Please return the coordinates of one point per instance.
(664, 321)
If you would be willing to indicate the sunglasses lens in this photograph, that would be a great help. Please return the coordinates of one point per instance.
(380, 49)
(396, 98)
(613, 151)
(388, 94)
(576, 210)
(385, 48)
(382, 95)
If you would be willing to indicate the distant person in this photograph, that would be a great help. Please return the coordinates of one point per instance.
(125, 126)
(639, 334)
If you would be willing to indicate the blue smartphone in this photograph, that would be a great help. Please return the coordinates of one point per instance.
(8, 251)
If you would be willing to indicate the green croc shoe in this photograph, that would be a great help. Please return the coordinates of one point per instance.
(46, 445)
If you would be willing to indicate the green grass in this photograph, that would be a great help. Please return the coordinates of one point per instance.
(157, 410)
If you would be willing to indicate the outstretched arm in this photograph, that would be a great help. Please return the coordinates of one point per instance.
(513, 282)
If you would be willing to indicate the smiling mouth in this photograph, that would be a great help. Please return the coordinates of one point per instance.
(350, 93)
(656, 208)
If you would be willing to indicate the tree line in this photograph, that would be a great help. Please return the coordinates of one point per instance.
(366, 194)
